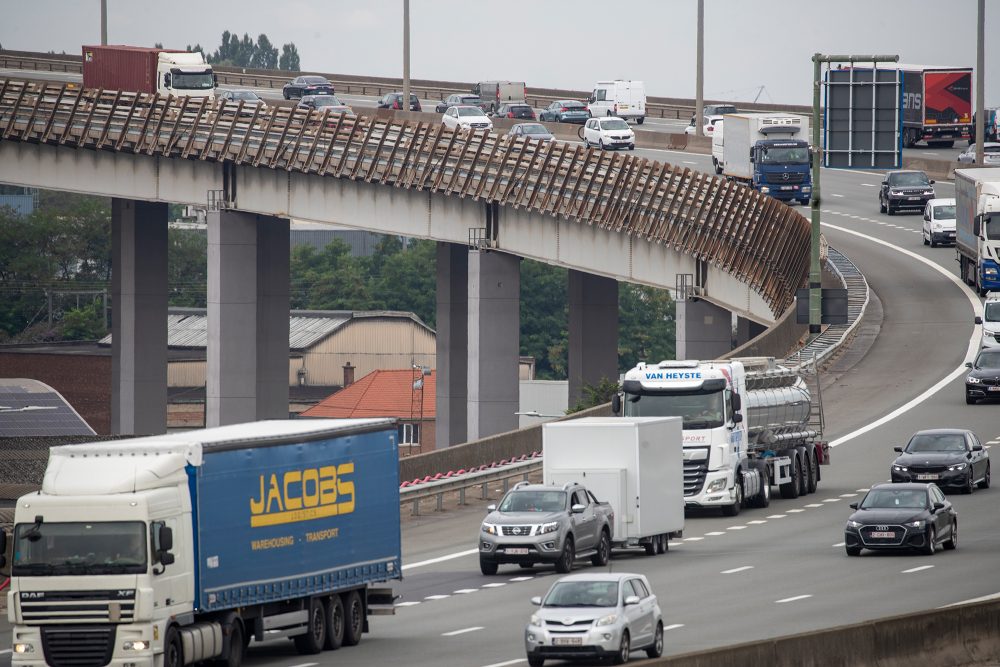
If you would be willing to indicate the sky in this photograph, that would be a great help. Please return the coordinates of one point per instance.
(752, 47)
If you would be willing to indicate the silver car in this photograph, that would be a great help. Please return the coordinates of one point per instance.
(991, 154)
(595, 616)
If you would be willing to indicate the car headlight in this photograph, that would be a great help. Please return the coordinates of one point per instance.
(606, 620)
(915, 524)
(135, 646)
(958, 466)
(853, 524)
(899, 468)
(490, 529)
(716, 485)
(806, 188)
(764, 189)
(929, 192)
(535, 620)
(973, 380)
(21, 648)
(548, 528)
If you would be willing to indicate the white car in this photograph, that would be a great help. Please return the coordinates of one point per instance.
(707, 128)
(608, 133)
(620, 98)
(990, 321)
(991, 154)
(939, 222)
(466, 117)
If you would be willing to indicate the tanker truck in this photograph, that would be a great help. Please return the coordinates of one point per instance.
(748, 423)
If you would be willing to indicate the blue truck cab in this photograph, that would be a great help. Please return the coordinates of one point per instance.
(782, 169)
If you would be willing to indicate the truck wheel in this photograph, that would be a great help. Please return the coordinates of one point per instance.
(315, 637)
(354, 615)
(565, 562)
(650, 546)
(663, 545)
(803, 470)
(641, 120)
(237, 645)
(488, 567)
(173, 652)
(334, 623)
(603, 555)
(791, 489)
(763, 499)
(734, 509)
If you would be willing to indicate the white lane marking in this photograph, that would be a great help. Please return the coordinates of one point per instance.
(463, 591)
(792, 599)
(756, 522)
(977, 308)
(869, 185)
(991, 596)
(6, 651)
(521, 578)
(795, 511)
(736, 528)
(831, 500)
(737, 569)
(927, 153)
(849, 495)
(673, 626)
(441, 559)
(495, 585)
(411, 603)
(776, 516)
(814, 505)
(917, 569)
(436, 597)
(836, 195)
(688, 162)
(863, 490)
(987, 446)
(462, 631)
(840, 544)
(306, 664)
(693, 539)
(509, 662)
(714, 533)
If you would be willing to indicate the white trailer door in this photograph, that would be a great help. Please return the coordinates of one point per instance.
(608, 486)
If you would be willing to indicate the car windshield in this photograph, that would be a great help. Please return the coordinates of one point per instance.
(534, 501)
(573, 105)
(614, 124)
(470, 111)
(937, 442)
(326, 101)
(698, 410)
(991, 312)
(54, 549)
(534, 129)
(945, 212)
(314, 80)
(909, 178)
(248, 95)
(583, 594)
(192, 80)
(784, 155)
(895, 498)
(988, 359)
(471, 99)
(722, 109)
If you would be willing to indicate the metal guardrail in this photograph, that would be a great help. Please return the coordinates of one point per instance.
(461, 483)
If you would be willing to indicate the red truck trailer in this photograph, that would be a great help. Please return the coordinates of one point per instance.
(937, 104)
(147, 70)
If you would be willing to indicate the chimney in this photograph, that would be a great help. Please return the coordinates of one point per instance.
(348, 374)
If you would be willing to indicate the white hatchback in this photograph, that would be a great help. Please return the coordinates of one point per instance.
(939, 222)
(467, 117)
(608, 133)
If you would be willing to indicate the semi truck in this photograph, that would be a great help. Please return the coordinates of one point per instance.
(633, 463)
(977, 227)
(748, 423)
(148, 70)
(937, 104)
(170, 550)
(494, 93)
(766, 151)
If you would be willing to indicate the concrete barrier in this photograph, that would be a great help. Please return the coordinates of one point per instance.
(962, 635)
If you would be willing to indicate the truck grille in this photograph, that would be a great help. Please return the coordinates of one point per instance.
(794, 178)
(516, 530)
(78, 646)
(40, 607)
(694, 476)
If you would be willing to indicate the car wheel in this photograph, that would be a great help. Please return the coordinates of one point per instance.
(931, 547)
(284, 94)
(812, 470)
(853, 551)
(600, 144)
(952, 541)
(969, 485)
(624, 650)
(565, 562)
(603, 555)
(933, 243)
(969, 400)
(790, 489)
(314, 639)
(631, 147)
(535, 661)
(924, 237)
(881, 205)
(334, 623)
(650, 546)
(985, 483)
(734, 509)
(354, 616)
(488, 567)
(889, 210)
(656, 650)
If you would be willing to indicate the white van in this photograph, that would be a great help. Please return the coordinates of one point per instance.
(718, 145)
(624, 99)
(990, 321)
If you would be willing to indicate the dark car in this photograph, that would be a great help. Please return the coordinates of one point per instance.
(565, 111)
(983, 380)
(306, 85)
(249, 98)
(321, 102)
(905, 190)
(902, 516)
(458, 100)
(519, 111)
(531, 131)
(395, 101)
(946, 456)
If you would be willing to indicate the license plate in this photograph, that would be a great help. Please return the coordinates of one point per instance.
(913, 199)
(517, 551)
(567, 641)
(883, 535)
(927, 476)
(623, 106)
(994, 388)
(787, 187)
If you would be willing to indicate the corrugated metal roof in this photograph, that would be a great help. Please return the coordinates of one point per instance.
(188, 327)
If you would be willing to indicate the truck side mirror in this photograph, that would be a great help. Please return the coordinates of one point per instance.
(163, 542)
(737, 402)
(975, 227)
(616, 403)
(215, 82)
(737, 418)
(751, 155)
(166, 80)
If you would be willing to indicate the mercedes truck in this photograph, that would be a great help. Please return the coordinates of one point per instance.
(766, 151)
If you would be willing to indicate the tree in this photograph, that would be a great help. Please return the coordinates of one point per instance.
(266, 55)
(187, 267)
(289, 60)
(84, 323)
(595, 395)
(328, 279)
(544, 318)
(406, 278)
(646, 325)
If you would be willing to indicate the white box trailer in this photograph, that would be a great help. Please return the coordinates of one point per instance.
(634, 463)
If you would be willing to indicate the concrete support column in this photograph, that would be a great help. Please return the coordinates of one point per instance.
(138, 317)
(593, 331)
(494, 342)
(747, 330)
(248, 303)
(704, 330)
(452, 344)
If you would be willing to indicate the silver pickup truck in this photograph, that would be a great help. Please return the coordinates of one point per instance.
(535, 523)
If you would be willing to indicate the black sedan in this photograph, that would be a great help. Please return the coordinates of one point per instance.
(983, 380)
(902, 517)
(565, 111)
(395, 101)
(946, 456)
(306, 85)
(514, 110)
(905, 190)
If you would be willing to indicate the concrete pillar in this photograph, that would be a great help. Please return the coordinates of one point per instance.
(593, 331)
(704, 330)
(138, 317)
(452, 344)
(494, 342)
(248, 304)
(747, 330)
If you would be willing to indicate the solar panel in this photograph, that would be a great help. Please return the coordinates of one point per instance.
(32, 408)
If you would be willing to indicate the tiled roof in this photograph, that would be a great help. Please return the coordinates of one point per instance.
(387, 393)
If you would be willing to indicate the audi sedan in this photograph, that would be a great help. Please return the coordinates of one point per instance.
(902, 516)
(946, 456)
(595, 616)
(306, 85)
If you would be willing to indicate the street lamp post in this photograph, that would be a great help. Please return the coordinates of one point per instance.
(405, 104)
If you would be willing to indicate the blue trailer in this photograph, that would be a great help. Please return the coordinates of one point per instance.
(190, 546)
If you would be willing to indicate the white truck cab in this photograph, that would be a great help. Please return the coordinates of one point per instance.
(184, 74)
(621, 98)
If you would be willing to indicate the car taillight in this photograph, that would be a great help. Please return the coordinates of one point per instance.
(709, 128)
(564, 109)
(395, 105)
(510, 114)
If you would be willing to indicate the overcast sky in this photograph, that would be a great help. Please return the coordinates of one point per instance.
(547, 43)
